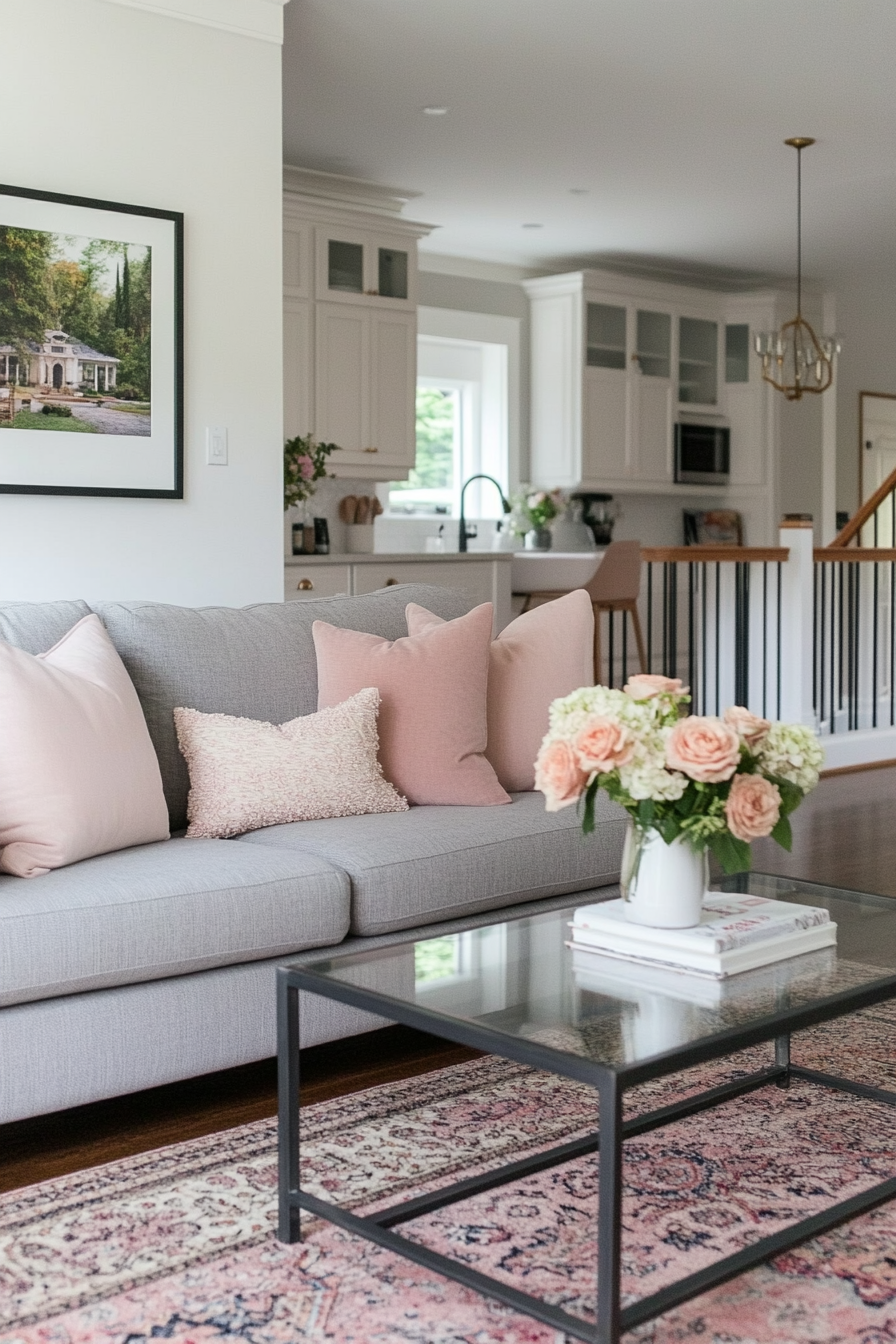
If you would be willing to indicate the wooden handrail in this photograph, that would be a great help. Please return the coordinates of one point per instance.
(862, 554)
(709, 555)
(871, 505)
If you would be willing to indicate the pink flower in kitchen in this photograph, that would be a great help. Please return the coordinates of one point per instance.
(304, 463)
(717, 782)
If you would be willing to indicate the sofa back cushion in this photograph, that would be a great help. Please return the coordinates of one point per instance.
(254, 662)
(37, 626)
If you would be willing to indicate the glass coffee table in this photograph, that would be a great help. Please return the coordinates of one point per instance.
(517, 990)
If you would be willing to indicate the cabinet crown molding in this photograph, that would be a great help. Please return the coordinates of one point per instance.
(249, 18)
(334, 189)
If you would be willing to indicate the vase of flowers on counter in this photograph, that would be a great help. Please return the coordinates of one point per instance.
(304, 464)
(531, 515)
(691, 784)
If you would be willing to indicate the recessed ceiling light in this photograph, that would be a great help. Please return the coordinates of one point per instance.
(533, 226)
(435, 111)
(578, 191)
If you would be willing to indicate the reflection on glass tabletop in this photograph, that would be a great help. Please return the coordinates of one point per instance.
(520, 979)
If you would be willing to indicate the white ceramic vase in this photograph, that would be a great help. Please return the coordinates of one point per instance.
(663, 885)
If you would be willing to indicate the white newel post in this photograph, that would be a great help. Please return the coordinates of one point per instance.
(797, 628)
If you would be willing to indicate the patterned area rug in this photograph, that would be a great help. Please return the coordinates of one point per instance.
(179, 1245)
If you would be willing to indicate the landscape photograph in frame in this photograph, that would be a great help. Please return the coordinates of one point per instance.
(91, 321)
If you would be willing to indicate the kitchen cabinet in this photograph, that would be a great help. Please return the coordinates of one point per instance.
(350, 323)
(482, 576)
(616, 361)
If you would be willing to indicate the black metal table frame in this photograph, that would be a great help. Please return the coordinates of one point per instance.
(610, 1083)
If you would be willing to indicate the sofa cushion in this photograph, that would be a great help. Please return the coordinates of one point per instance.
(37, 626)
(255, 662)
(432, 863)
(163, 910)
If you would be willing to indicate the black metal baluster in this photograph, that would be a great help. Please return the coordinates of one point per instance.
(841, 653)
(703, 693)
(672, 669)
(718, 627)
(858, 617)
(892, 629)
(875, 598)
(692, 578)
(764, 635)
(815, 643)
(650, 617)
(611, 649)
(778, 643)
(821, 584)
(741, 633)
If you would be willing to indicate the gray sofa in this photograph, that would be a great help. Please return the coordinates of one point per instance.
(157, 963)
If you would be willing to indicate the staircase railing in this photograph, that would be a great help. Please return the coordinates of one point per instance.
(874, 522)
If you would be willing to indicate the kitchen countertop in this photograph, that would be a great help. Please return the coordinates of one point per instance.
(395, 557)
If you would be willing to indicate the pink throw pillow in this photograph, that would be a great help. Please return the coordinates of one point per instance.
(544, 654)
(246, 774)
(433, 704)
(78, 773)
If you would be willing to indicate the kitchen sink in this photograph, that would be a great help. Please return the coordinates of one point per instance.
(552, 571)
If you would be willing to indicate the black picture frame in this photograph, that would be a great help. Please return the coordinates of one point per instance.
(141, 456)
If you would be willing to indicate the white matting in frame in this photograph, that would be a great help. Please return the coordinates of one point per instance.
(91, 347)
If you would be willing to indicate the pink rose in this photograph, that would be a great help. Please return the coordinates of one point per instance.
(749, 727)
(559, 776)
(646, 685)
(706, 749)
(603, 745)
(306, 468)
(753, 807)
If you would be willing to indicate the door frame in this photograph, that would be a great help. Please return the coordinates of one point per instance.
(884, 396)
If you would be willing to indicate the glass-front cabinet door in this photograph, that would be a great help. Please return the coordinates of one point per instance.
(698, 361)
(605, 336)
(653, 348)
(360, 267)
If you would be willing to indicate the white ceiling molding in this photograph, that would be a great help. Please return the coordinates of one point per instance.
(250, 18)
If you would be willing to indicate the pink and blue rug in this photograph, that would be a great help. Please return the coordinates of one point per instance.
(179, 1244)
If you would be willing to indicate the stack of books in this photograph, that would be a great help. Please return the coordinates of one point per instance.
(736, 933)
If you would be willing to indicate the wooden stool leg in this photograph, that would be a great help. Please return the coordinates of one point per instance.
(597, 659)
(639, 636)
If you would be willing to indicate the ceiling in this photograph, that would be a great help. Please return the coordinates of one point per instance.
(664, 117)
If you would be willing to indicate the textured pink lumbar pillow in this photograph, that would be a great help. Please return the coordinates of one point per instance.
(78, 773)
(433, 712)
(544, 654)
(246, 774)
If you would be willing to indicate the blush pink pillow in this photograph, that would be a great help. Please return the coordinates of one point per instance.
(543, 654)
(245, 774)
(432, 703)
(78, 773)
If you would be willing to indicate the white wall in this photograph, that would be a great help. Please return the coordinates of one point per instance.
(117, 103)
(866, 318)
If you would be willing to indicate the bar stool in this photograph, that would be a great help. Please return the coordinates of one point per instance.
(614, 587)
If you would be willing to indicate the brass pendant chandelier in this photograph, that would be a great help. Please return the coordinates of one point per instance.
(794, 359)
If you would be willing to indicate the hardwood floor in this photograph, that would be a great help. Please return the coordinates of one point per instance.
(844, 834)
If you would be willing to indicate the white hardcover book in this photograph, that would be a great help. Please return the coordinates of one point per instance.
(716, 965)
(728, 922)
(623, 978)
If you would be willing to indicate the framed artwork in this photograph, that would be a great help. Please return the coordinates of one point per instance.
(713, 527)
(91, 347)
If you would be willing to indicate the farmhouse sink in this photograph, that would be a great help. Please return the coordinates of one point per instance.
(552, 571)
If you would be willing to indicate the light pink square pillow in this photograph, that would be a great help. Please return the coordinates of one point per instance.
(245, 774)
(433, 703)
(543, 654)
(78, 773)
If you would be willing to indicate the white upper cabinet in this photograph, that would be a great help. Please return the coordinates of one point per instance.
(350, 323)
(616, 362)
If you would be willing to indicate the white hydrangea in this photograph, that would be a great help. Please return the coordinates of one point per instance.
(569, 714)
(648, 778)
(793, 752)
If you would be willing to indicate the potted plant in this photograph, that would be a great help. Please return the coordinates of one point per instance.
(690, 784)
(532, 513)
(304, 463)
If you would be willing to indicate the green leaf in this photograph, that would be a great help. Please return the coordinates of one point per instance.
(669, 828)
(588, 813)
(646, 813)
(734, 855)
(782, 833)
(791, 794)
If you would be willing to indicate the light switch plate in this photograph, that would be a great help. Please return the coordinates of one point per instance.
(216, 446)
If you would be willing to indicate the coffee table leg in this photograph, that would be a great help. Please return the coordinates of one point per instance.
(609, 1214)
(288, 1106)
(782, 1058)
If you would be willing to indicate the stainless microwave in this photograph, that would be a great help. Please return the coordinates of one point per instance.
(702, 454)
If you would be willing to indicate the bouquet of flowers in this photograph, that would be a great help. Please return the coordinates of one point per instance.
(534, 509)
(304, 462)
(717, 782)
